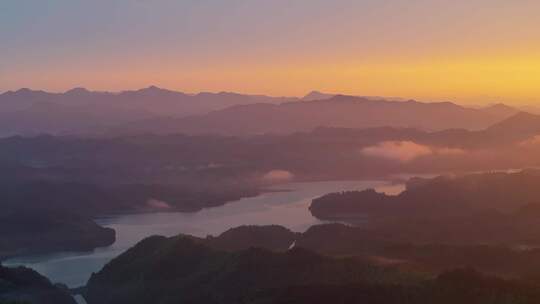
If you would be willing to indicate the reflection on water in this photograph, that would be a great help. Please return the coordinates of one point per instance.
(286, 208)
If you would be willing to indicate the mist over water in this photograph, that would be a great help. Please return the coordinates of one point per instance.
(286, 208)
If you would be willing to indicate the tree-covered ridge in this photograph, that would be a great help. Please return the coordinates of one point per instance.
(186, 269)
(24, 286)
(487, 208)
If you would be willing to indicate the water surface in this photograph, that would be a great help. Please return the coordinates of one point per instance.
(286, 208)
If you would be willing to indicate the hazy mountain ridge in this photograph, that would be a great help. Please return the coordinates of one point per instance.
(161, 111)
(316, 95)
(520, 122)
(80, 111)
(355, 153)
(151, 99)
(337, 111)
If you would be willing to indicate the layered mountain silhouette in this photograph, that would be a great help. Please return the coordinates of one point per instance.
(152, 100)
(28, 112)
(522, 122)
(338, 111)
(499, 109)
(161, 111)
(515, 129)
(316, 95)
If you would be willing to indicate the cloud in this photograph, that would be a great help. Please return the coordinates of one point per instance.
(448, 151)
(403, 151)
(157, 204)
(535, 140)
(406, 151)
(278, 176)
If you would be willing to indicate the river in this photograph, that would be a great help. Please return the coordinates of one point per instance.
(287, 208)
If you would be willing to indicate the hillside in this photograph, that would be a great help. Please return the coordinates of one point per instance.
(182, 269)
(23, 285)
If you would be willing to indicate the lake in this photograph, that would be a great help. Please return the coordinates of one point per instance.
(287, 208)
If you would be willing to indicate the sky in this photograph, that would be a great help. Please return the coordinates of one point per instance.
(467, 51)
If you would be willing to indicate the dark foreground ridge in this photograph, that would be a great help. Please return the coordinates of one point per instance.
(34, 232)
(22, 285)
(184, 269)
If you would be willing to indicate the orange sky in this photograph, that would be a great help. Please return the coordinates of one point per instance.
(473, 52)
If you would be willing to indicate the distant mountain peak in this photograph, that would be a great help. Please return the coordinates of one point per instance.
(317, 95)
(500, 110)
(152, 88)
(24, 91)
(498, 105)
(77, 91)
(521, 121)
(347, 98)
(524, 116)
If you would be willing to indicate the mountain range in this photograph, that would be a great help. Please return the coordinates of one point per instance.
(29, 112)
(160, 111)
(337, 111)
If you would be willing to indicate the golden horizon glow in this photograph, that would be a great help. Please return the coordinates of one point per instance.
(480, 79)
(467, 52)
